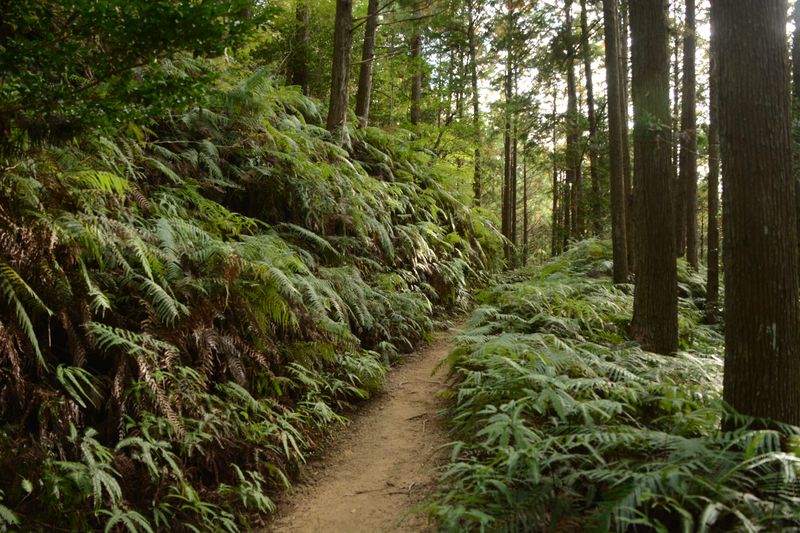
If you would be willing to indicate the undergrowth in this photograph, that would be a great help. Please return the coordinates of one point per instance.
(188, 307)
(567, 425)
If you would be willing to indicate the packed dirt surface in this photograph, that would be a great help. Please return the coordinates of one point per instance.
(383, 465)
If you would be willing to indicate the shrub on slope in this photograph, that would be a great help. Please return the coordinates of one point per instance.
(187, 307)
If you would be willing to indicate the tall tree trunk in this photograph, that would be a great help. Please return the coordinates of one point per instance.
(566, 212)
(298, 62)
(364, 95)
(619, 202)
(596, 204)
(476, 100)
(796, 104)
(626, 148)
(688, 138)
(340, 74)
(514, 169)
(712, 261)
(556, 218)
(678, 187)
(524, 206)
(762, 296)
(508, 167)
(655, 304)
(574, 176)
(416, 79)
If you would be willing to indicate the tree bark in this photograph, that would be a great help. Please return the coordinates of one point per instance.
(626, 148)
(655, 306)
(762, 303)
(574, 176)
(298, 63)
(476, 102)
(712, 260)
(678, 187)
(364, 96)
(619, 202)
(796, 104)
(340, 75)
(524, 206)
(556, 217)
(796, 53)
(596, 203)
(514, 169)
(688, 137)
(508, 167)
(416, 79)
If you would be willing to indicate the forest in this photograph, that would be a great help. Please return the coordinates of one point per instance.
(399, 265)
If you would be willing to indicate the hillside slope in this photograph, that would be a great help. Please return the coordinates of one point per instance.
(187, 307)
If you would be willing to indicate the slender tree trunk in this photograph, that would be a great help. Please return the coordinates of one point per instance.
(514, 170)
(364, 95)
(712, 261)
(688, 138)
(554, 245)
(619, 202)
(340, 75)
(416, 80)
(678, 186)
(476, 102)
(626, 148)
(655, 305)
(298, 63)
(566, 213)
(596, 204)
(524, 206)
(796, 103)
(508, 167)
(762, 296)
(574, 176)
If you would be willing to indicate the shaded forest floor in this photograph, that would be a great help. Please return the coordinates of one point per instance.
(384, 463)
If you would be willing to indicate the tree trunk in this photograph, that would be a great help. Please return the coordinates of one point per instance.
(626, 148)
(514, 172)
(597, 217)
(574, 177)
(476, 102)
(796, 104)
(762, 302)
(688, 138)
(678, 186)
(340, 75)
(655, 305)
(712, 261)
(556, 218)
(298, 62)
(615, 132)
(416, 80)
(364, 95)
(508, 167)
(524, 206)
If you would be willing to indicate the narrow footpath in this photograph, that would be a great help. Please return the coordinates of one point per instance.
(383, 465)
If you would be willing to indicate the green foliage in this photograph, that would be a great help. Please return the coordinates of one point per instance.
(568, 425)
(190, 307)
(66, 65)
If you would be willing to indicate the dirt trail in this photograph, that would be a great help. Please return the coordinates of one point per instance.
(383, 464)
